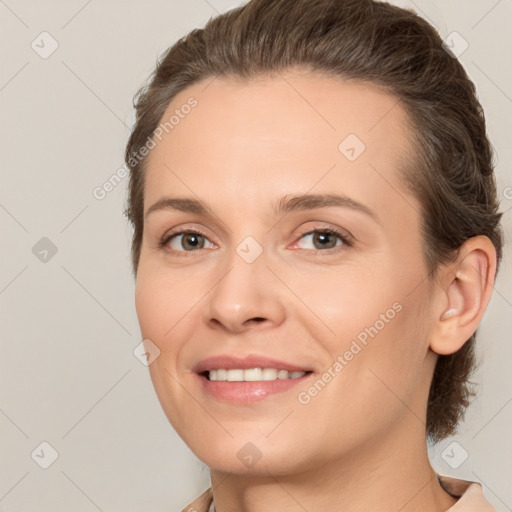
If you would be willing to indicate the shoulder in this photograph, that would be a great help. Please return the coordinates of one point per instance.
(470, 495)
(202, 503)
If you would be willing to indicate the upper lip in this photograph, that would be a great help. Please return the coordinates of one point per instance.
(228, 362)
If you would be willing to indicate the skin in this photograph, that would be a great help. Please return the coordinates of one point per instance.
(359, 444)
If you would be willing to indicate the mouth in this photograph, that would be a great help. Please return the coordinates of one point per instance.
(244, 380)
(252, 374)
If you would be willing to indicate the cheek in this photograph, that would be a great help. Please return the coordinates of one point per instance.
(148, 305)
(373, 380)
(168, 304)
(373, 322)
(162, 305)
(348, 299)
(160, 302)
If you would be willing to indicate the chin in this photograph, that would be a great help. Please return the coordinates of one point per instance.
(268, 464)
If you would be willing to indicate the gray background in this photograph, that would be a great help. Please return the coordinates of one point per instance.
(68, 373)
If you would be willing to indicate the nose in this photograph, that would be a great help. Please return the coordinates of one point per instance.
(247, 295)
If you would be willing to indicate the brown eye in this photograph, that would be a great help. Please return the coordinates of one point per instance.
(187, 241)
(323, 239)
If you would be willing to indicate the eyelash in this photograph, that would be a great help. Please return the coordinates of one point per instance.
(331, 231)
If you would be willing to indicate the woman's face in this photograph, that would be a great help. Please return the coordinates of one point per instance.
(268, 278)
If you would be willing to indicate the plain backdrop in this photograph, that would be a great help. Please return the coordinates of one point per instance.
(73, 396)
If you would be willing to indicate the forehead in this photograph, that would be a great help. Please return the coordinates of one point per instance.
(290, 131)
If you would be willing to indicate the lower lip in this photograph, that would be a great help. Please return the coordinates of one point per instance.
(249, 392)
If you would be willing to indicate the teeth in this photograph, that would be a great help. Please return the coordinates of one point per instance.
(283, 374)
(269, 374)
(234, 375)
(252, 374)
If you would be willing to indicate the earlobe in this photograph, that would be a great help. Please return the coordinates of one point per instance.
(464, 292)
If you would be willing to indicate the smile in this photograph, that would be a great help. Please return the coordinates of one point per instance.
(248, 378)
(251, 374)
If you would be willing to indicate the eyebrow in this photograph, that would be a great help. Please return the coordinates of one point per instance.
(285, 205)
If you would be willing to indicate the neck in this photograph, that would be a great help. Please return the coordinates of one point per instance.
(387, 474)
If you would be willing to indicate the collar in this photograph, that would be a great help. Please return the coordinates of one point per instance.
(469, 495)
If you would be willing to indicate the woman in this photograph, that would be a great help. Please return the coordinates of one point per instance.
(316, 238)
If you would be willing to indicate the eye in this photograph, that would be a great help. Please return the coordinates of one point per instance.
(319, 239)
(322, 239)
(186, 241)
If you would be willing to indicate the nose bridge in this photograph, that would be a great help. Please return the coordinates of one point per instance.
(246, 289)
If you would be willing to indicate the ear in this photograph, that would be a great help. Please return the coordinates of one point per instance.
(464, 290)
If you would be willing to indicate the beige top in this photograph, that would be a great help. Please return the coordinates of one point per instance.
(470, 497)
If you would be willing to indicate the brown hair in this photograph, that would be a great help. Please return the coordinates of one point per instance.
(372, 42)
